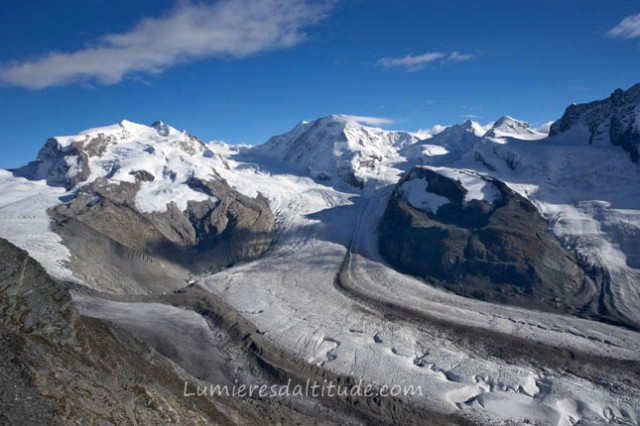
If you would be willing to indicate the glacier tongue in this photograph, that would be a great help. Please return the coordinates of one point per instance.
(25, 223)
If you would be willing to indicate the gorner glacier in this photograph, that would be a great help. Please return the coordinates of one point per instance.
(497, 267)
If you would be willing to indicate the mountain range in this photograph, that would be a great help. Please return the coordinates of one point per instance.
(494, 266)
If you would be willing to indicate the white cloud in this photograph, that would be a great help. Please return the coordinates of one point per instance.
(429, 133)
(627, 29)
(545, 128)
(373, 121)
(487, 127)
(460, 57)
(410, 62)
(417, 62)
(226, 29)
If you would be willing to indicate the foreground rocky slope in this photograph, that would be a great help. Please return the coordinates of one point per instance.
(475, 236)
(59, 367)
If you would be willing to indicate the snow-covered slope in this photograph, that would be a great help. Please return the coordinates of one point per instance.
(338, 147)
(458, 140)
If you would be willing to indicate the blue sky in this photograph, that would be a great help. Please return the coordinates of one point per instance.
(243, 70)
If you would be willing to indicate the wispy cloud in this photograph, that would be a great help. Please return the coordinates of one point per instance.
(629, 28)
(373, 121)
(545, 128)
(418, 62)
(460, 57)
(227, 29)
(429, 133)
(410, 62)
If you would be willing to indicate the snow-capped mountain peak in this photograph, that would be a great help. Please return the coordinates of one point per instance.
(337, 146)
(471, 127)
(468, 126)
(160, 159)
(447, 145)
(509, 127)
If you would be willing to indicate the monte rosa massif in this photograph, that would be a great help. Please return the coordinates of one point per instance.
(497, 268)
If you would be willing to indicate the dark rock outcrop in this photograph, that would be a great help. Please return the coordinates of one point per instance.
(497, 251)
(62, 165)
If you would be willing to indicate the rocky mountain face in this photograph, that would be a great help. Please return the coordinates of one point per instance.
(150, 205)
(613, 120)
(475, 236)
(59, 367)
(337, 147)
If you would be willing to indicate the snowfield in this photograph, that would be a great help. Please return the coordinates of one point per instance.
(416, 192)
(477, 188)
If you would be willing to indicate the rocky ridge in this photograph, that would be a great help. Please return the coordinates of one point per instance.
(613, 120)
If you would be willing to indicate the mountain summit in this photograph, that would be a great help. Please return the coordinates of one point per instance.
(337, 147)
(510, 127)
(451, 143)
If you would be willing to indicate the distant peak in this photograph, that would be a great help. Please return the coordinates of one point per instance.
(132, 126)
(507, 126)
(507, 120)
(334, 118)
(467, 125)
